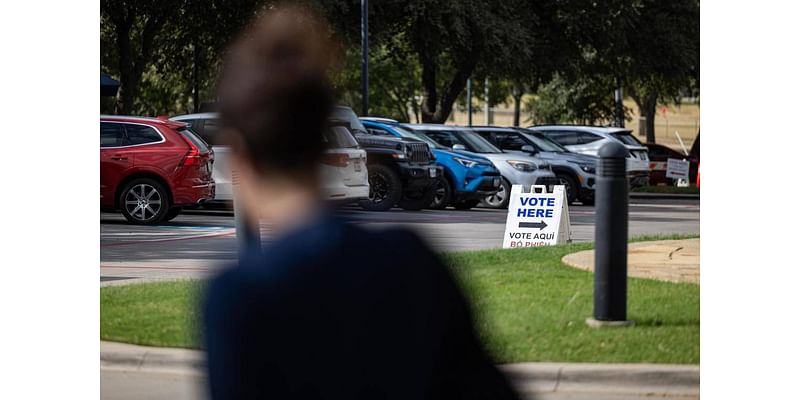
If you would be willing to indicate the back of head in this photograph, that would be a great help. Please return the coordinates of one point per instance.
(274, 91)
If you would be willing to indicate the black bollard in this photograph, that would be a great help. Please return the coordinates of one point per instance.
(611, 238)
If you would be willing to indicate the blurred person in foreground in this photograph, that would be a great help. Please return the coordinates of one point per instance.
(327, 310)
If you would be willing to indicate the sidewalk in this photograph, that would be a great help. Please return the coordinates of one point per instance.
(674, 196)
(665, 260)
(529, 378)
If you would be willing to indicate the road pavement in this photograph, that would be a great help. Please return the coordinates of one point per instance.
(199, 241)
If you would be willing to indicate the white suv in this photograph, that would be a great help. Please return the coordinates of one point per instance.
(343, 169)
(589, 139)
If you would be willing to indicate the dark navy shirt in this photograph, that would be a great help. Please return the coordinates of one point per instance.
(332, 311)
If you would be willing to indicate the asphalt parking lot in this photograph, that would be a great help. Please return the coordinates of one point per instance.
(199, 241)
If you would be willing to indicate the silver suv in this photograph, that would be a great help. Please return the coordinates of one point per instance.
(575, 171)
(585, 139)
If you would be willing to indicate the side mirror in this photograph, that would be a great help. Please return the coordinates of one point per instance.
(459, 147)
(528, 149)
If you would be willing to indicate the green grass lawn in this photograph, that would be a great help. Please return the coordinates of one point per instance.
(668, 189)
(529, 307)
(157, 314)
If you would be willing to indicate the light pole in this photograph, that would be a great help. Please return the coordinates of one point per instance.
(469, 102)
(487, 120)
(620, 119)
(364, 58)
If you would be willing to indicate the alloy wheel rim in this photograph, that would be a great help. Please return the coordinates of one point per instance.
(439, 192)
(143, 202)
(497, 198)
(378, 189)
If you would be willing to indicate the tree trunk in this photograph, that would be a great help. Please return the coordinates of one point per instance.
(647, 103)
(127, 85)
(517, 94)
(415, 108)
(132, 63)
(650, 116)
(430, 94)
(435, 109)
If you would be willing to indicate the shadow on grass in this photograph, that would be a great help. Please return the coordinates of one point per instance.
(657, 322)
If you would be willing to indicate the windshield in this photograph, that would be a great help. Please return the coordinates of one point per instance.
(347, 114)
(626, 137)
(475, 143)
(543, 143)
(414, 135)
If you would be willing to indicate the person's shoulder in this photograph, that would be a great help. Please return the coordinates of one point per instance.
(402, 237)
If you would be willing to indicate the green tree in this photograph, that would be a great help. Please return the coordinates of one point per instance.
(653, 51)
(581, 100)
(132, 28)
(394, 89)
(167, 53)
(449, 40)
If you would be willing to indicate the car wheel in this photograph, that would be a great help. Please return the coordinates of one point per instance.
(499, 199)
(570, 187)
(441, 194)
(417, 199)
(171, 214)
(144, 201)
(385, 188)
(466, 204)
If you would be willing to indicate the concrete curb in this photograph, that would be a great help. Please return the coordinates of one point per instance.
(673, 196)
(627, 379)
(527, 378)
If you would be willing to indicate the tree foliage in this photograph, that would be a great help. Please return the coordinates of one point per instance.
(582, 100)
(571, 53)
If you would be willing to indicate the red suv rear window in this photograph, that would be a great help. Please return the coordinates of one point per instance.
(201, 144)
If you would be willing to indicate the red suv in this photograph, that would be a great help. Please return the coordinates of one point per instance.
(151, 168)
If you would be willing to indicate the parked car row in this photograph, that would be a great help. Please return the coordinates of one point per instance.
(152, 168)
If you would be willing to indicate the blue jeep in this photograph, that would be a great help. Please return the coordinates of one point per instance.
(467, 178)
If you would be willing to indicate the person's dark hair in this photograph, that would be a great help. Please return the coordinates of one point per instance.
(274, 93)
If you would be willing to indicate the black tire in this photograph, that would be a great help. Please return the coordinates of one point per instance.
(144, 201)
(501, 198)
(466, 204)
(588, 201)
(172, 214)
(385, 188)
(442, 193)
(570, 187)
(414, 200)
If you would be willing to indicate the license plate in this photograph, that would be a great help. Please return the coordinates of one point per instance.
(357, 165)
(432, 172)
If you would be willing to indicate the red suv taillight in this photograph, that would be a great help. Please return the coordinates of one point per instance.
(193, 156)
(336, 160)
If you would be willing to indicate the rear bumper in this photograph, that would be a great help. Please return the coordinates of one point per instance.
(224, 191)
(345, 193)
(195, 194)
